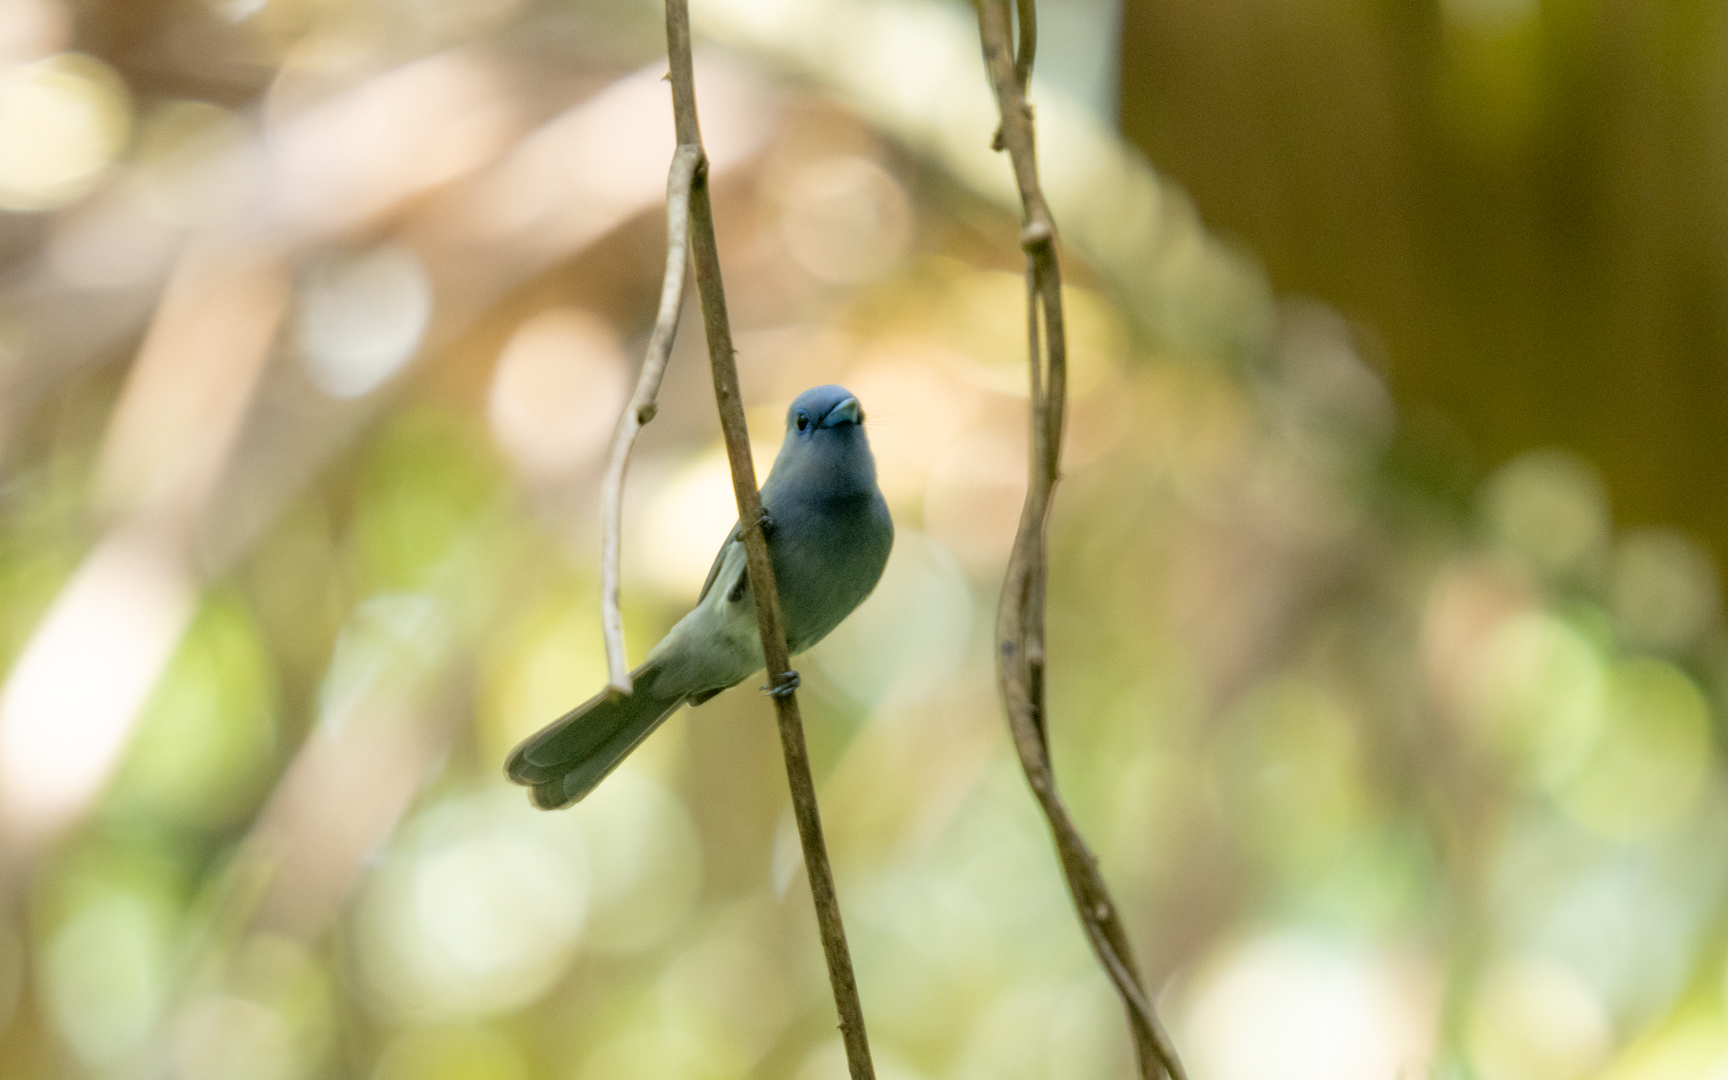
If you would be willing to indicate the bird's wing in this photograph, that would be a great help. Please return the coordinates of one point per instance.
(730, 565)
(719, 560)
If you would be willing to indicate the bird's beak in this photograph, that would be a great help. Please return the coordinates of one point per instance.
(847, 412)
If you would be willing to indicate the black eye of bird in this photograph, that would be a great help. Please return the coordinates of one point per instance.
(803, 421)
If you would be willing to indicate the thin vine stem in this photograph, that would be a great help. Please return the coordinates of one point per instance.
(1020, 616)
(770, 622)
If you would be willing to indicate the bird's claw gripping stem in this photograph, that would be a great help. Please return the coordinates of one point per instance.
(765, 523)
(788, 683)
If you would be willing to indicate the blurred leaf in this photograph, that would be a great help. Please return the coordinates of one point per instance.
(207, 740)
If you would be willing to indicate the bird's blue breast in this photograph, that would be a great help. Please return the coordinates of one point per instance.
(828, 554)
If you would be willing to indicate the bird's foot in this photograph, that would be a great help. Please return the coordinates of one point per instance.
(788, 683)
(765, 523)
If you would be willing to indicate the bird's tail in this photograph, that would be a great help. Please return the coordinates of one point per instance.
(563, 761)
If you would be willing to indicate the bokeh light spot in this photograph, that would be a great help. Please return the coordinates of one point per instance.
(1647, 765)
(1551, 510)
(844, 219)
(361, 318)
(270, 1017)
(105, 973)
(477, 910)
(63, 121)
(558, 390)
(1664, 591)
(223, 1036)
(1540, 692)
(1532, 1018)
(1290, 1007)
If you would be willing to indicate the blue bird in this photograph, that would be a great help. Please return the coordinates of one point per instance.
(828, 535)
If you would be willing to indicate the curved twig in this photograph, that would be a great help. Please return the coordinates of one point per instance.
(643, 405)
(1020, 617)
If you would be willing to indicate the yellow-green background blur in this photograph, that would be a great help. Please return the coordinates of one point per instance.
(1387, 666)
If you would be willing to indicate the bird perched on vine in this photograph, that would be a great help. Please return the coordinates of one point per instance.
(828, 536)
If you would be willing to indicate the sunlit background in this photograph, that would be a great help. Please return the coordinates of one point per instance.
(1400, 745)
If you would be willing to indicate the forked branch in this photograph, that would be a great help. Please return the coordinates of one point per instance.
(1020, 617)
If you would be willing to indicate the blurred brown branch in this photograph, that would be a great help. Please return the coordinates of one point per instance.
(1020, 617)
(1026, 16)
(685, 163)
(750, 516)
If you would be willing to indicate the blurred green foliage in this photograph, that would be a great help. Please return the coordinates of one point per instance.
(206, 743)
(1400, 767)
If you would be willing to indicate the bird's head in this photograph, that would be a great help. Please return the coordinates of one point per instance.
(822, 411)
(825, 443)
